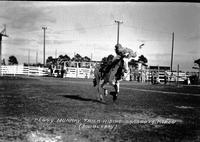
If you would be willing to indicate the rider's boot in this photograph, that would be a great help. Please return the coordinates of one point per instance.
(114, 97)
(94, 82)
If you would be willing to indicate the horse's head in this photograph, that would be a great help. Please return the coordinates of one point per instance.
(125, 64)
(127, 58)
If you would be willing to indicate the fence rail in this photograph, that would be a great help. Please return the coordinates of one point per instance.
(75, 72)
(23, 70)
(40, 71)
(78, 72)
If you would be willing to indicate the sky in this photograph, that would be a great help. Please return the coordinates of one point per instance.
(89, 29)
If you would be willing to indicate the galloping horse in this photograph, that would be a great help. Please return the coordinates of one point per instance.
(113, 77)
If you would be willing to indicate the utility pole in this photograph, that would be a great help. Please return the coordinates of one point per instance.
(172, 53)
(118, 24)
(178, 74)
(2, 33)
(44, 28)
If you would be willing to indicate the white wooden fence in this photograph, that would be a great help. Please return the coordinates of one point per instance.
(78, 72)
(13, 70)
(23, 70)
(73, 72)
(175, 76)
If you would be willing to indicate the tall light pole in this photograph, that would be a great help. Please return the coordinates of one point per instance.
(172, 53)
(118, 24)
(44, 28)
(3, 33)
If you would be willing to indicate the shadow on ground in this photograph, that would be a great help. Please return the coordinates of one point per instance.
(79, 98)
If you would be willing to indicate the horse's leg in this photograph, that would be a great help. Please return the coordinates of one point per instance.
(99, 89)
(105, 91)
(99, 86)
(116, 86)
(96, 83)
(114, 93)
(99, 92)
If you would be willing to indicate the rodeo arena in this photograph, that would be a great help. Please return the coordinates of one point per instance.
(72, 69)
(121, 98)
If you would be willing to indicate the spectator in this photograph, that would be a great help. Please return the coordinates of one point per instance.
(165, 79)
(152, 78)
(62, 72)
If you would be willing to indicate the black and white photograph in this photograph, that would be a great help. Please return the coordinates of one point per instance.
(99, 71)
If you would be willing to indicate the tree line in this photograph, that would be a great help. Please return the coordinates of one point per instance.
(12, 60)
(59, 61)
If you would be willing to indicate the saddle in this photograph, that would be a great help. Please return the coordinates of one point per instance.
(105, 68)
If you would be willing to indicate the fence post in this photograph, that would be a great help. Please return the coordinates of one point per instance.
(77, 70)
(28, 70)
(14, 70)
(1, 70)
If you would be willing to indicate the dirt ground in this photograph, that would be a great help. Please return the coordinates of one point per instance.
(47, 109)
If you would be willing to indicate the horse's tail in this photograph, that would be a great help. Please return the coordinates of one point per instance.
(97, 76)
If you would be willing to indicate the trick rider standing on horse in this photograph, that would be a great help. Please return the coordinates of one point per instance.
(121, 52)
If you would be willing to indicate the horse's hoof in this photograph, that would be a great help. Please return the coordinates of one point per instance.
(101, 100)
